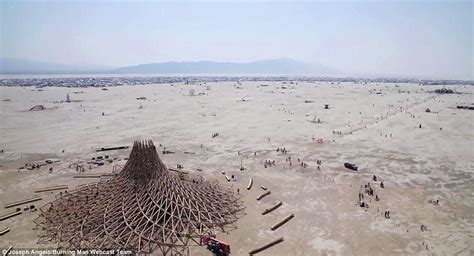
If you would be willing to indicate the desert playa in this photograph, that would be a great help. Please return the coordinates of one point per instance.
(290, 137)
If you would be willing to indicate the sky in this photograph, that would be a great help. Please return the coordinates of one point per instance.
(385, 38)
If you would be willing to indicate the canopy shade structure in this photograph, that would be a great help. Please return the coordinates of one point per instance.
(143, 208)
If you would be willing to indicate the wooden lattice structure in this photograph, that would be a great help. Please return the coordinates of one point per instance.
(143, 208)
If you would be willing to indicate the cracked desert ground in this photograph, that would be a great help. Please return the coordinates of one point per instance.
(379, 131)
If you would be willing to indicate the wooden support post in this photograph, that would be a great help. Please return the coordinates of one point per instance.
(263, 195)
(62, 187)
(98, 175)
(272, 208)
(266, 246)
(9, 215)
(87, 176)
(285, 220)
(176, 170)
(110, 148)
(250, 184)
(25, 201)
(4, 231)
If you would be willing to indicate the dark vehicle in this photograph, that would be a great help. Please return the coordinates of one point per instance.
(350, 166)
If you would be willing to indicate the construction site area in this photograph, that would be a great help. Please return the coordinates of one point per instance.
(238, 168)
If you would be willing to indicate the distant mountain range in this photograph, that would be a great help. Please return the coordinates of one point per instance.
(277, 66)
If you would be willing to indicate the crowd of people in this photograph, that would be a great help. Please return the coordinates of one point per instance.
(370, 191)
(269, 163)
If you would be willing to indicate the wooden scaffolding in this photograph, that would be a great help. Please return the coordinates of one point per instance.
(144, 208)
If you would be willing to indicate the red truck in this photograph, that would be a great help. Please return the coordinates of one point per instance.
(217, 247)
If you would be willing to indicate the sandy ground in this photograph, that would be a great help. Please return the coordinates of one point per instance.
(379, 132)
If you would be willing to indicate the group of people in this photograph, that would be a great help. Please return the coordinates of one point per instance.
(362, 203)
(79, 168)
(302, 164)
(374, 178)
(30, 167)
(367, 189)
(282, 150)
(269, 163)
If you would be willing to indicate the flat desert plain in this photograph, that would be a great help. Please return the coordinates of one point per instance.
(375, 126)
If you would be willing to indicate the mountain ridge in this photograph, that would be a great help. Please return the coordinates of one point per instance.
(273, 66)
(284, 66)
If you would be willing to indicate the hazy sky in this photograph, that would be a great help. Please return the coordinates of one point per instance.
(425, 38)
